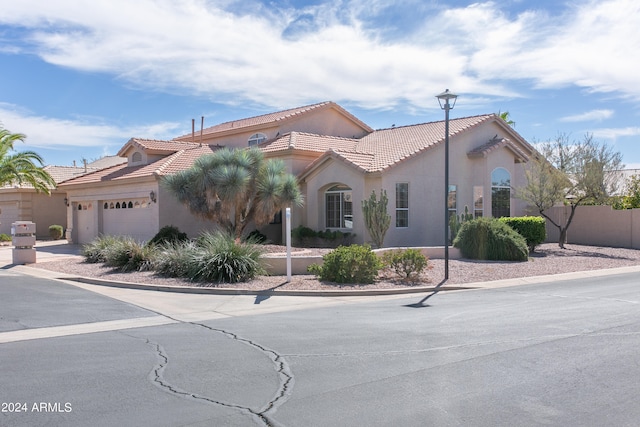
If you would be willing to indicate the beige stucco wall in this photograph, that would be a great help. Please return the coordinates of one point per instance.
(27, 205)
(597, 226)
(174, 213)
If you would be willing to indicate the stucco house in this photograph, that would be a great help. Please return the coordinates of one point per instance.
(23, 203)
(339, 161)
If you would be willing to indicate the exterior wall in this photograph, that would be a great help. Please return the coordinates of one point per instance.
(597, 226)
(174, 213)
(27, 205)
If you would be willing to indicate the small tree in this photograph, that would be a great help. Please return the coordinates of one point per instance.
(570, 173)
(631, 197)
(24, 167)
(235, 188)
(376, 218)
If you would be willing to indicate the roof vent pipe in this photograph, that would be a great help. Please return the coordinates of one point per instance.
(193, 130)
(201, 129)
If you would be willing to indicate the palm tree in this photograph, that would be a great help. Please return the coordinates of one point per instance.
(23, 167)
(234, 188)
(507, 118)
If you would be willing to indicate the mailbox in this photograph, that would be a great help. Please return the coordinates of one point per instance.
(23, 238)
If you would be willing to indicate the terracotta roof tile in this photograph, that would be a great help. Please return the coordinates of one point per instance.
(306, 142)
(271, 118)
(495, 143)
(175, 162)
(156, 146)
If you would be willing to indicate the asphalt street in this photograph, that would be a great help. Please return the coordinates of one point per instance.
(563, 353)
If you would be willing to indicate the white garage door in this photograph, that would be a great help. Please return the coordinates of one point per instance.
(8, 215)
(128, 218)
(85, 218)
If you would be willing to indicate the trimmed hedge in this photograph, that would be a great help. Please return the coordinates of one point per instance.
(55, 232)
(532, 228)
(491, 239)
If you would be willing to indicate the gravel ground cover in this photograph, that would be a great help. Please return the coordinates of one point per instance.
(548, 259)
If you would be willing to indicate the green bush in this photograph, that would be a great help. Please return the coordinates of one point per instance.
(168, 234)
(407, 263)
(491, 239)
(301, 232)
(532, 228)
(94, 252)
(348, 264)
(55, 232)
(127, 254)
(175, 259)
(5, 237)
(256, 237)
(218, 258)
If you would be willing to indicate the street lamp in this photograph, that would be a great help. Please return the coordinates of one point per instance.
(443, 100)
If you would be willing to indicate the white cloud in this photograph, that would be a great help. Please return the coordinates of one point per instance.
(615, 133)
(52, 133)
(284, 56)
(589, 116)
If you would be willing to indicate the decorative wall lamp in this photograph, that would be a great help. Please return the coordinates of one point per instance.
(152, 196)
(66, 202)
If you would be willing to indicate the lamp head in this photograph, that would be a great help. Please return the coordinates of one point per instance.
(444, 99)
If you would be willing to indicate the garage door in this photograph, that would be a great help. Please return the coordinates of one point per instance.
(8, 215)
(128, 218)
(86, 228)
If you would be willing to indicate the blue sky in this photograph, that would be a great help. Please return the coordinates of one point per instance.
(81, 81)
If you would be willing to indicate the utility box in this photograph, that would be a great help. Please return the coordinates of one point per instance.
(23, 238)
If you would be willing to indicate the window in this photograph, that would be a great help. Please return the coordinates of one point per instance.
(452, 202)
(339, 207)
(402, 204)
(500, 193)
(256, 139)
(478, 201)
(136, 157)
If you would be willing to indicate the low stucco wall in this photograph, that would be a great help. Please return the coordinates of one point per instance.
(277, 265)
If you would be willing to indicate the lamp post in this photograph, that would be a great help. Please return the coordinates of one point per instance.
(443, 100)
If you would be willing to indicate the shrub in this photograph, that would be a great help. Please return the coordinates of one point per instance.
(302, 232)
(175, 259)
(218, 258)
(406, 263)
(348, 264)
(532, 228)
(256, 237)
(55, 232)
(94, 252)
(168, 234)
(127, 254)
(5, 237)
(490, 239)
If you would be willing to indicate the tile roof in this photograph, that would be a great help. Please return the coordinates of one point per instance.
(155, 146)
(495, 143)
(175, 162)
(272, 118)
(306, 142)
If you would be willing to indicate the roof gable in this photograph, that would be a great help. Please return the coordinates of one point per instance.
(246, 124)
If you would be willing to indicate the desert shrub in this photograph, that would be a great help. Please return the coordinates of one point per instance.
(491, 239)
(302, 232)
(407, 263)
(348, 264)
(168, 234)
(94, 251)
(127, 254)
(5, 237)
(55, 232)
(175, 259)
(218, 258)
(532, 228)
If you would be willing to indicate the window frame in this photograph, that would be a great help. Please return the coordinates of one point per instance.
(342, 203)
(402, 212)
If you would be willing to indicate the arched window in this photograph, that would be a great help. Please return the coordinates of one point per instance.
(256, 139)
(118, 205)
(106, 205)
(136, 157)
(339, 207)
(130, 205)
(500, 193)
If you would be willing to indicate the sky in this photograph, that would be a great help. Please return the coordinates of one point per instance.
(82, 78)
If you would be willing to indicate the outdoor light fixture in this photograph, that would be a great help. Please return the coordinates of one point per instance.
(66, 201)
(443, 100)
(152, 196)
